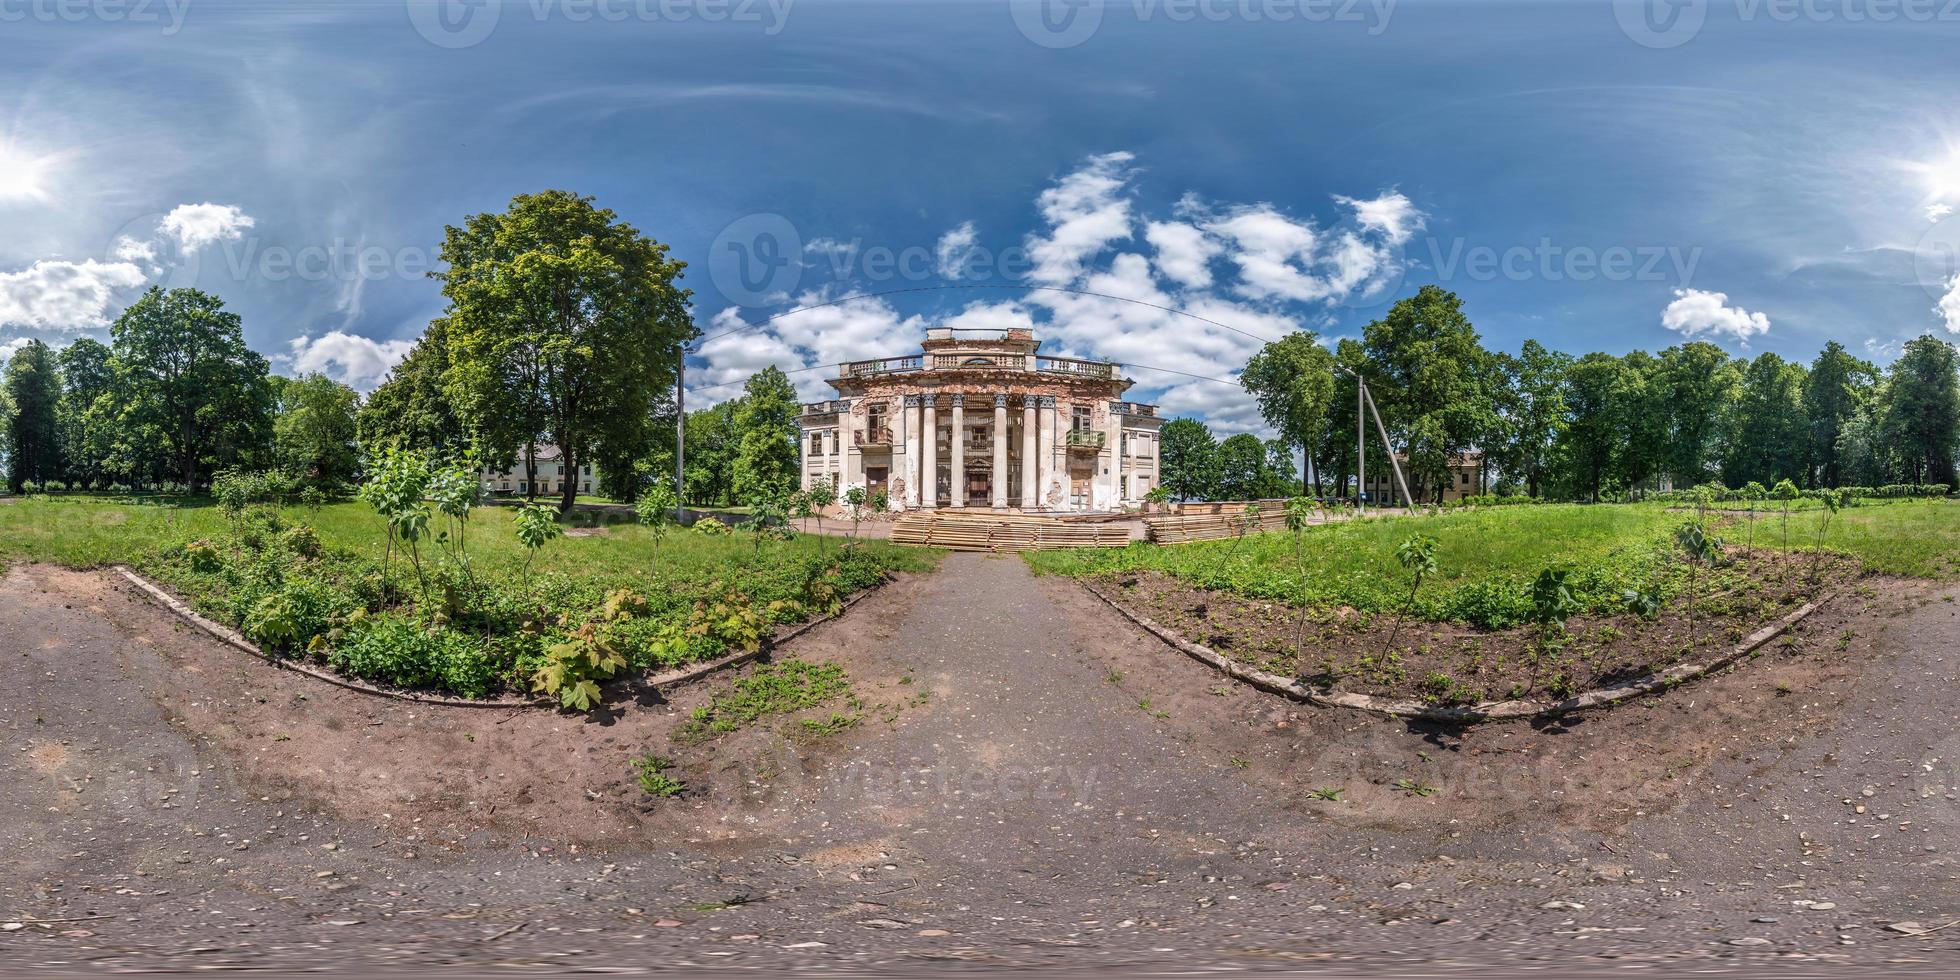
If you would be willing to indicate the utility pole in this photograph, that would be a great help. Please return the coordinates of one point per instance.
(680, 436)
(1360, 443)
(1400, 483)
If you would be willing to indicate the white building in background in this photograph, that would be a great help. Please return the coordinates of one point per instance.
(979, 419)
(552, 476)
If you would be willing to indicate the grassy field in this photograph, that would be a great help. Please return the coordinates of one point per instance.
(316, 582)
(1487, 557)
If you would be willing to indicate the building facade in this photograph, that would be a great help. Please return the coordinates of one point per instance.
(1466, 479)
(552, 475)
(981, 419)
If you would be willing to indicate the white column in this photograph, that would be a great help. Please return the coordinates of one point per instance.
(1029, 477)
(1045, 451)
(928, 453)
(911, 467)
(959, 451)
(1000, 452)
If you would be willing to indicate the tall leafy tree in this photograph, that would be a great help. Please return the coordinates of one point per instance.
(1838, 387)
(766, 455)
(1768, 436)
(1922, 411)
(1187, 455)
(1700, 383)
(1241, 468)
(186, 384)
(1293, 380)
(413, 409)
(86, 378)
(1533, 411)
(1430, 374)
(33, 382)
(1594, 430)
(565, 324)
(314, 433)
(711, 443)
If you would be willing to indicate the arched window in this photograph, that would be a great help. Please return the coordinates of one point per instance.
(977, 362)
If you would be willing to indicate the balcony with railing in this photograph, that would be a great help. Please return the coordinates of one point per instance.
(1133, 408)
(1086, 440)
(982, 360)
(831, 407)
(884, 365)
(1075, 367)
(881, 436)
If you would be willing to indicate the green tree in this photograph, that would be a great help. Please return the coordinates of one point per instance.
(711, 442)
(1241, 467)
(565, 324)
(1768, 434)
(188, 388)
(33, 382)
(85, 378)
(1922, 411)
(1700, 384)
(1533, 412)
(1188, 457)
(413, 409)
(1433, 381)
(1594, 430)
(1293, 380)
(314, 433)
(766, 456)
(1839, 386)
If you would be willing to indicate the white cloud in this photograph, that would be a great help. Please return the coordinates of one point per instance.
(1290, 269)
(1391, 214)
(1934, 212)
(1699, 311)
(355, 361)
(1949, 308)
(1184, 253)
(9, 348)
(1087, 211)
(954, 248)
(197, 225)
(56, 295)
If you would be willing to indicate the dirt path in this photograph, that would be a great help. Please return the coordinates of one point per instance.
(1034, 784)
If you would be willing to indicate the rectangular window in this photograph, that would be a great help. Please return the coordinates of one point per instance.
(1080, 418)
(816, 444)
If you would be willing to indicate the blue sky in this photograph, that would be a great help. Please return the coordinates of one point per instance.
(1761, 173)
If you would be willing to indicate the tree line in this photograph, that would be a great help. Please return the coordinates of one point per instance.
(563, 326)
(1598, 426)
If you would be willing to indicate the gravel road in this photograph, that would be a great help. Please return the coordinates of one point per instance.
(1058, 791)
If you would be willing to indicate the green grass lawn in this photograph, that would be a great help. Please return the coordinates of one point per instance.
(314, 582)
(1487, 557)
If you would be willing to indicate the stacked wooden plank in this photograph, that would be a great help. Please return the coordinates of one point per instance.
(1003, 532)
(1180, 528)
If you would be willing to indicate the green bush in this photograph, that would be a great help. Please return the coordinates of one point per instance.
(403, 651)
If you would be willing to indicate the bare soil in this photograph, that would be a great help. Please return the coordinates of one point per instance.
(1447, 663)
(1032, 784)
